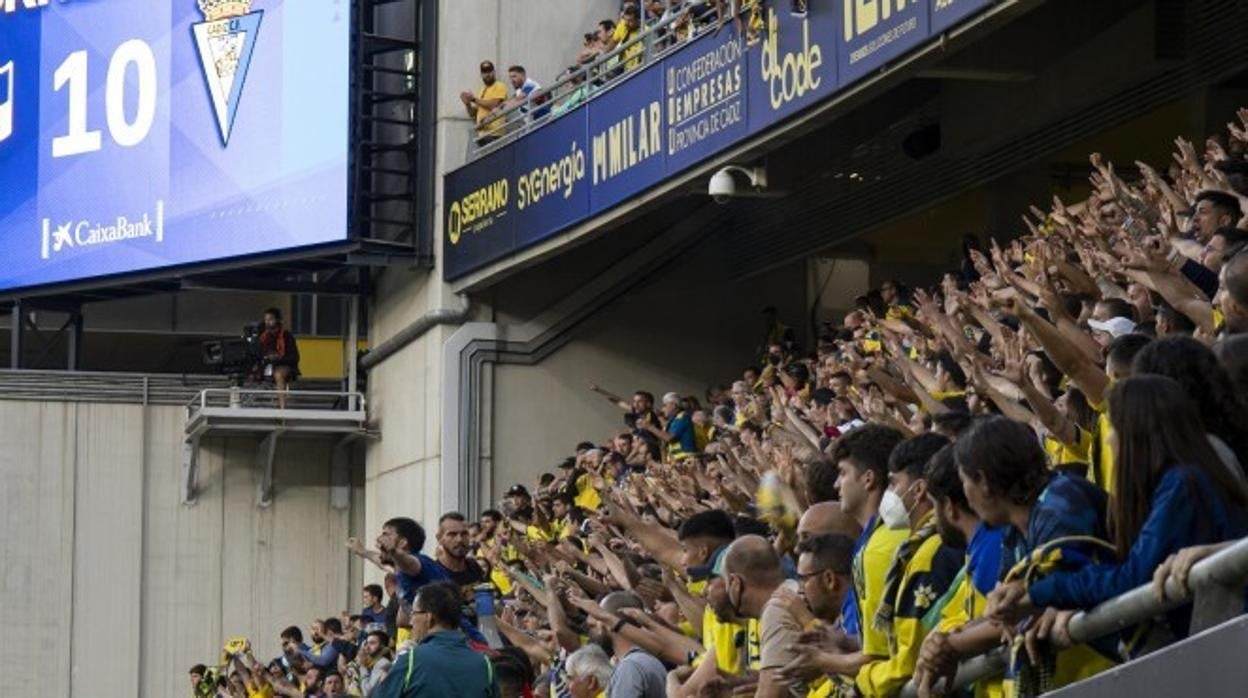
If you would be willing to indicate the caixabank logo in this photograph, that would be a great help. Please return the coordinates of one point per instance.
(226, 40)
(60, 237)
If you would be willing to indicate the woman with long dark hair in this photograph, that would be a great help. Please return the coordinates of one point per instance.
(1195, 368)
(1171, 490)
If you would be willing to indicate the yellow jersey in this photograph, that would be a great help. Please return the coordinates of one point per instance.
(494, 127)
(1060, 452)
(928, 576)
(870, 569)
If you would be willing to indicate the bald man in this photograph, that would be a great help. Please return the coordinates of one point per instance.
(638, 674)
(752, 578)
(823, 518)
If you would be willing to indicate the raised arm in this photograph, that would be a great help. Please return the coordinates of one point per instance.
(357, 548)
(557, 616)
(659, 541)
(612, 398)
(1069, 360)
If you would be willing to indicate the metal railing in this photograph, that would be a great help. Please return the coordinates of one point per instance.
(116, 388)
(269, 398)
(1215, 587)
(681, 24)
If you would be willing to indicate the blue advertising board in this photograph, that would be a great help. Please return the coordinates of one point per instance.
(552, 170)
(704, 99)
(626, 130)
(137, 135)
(667, 117)
(946, 13)
(874, 32)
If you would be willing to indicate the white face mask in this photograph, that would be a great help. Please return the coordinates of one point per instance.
(893, 511)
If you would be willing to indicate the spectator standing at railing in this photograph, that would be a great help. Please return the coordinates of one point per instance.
(1055, 522)
(626, 31)
(523, 89)
(279, 355)
(484, 103)
(961, 619)
(577, 93)
(1165, 462)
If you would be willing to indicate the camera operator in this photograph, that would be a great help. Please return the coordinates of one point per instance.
(280, 354)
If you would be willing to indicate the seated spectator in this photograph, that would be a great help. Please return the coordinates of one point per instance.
(482, 106)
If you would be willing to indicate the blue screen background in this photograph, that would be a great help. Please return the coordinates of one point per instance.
(281, 183)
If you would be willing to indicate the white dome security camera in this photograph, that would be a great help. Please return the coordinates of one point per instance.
(723, 186)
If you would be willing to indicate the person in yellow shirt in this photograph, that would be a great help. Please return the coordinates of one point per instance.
(861, 458)
(626, 30)
(920, 572)
(484, 103)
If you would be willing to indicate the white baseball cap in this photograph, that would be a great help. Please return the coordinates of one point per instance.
(1115, 326)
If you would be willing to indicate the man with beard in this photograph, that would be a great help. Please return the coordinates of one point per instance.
(825, 572)
(962, 626)
(322, 653)
(637, 674)
(453, 549)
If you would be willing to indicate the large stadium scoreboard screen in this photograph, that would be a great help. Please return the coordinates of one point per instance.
(142, 134)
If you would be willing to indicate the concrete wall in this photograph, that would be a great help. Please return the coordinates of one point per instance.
(113, 588)
(402, 477)
(541, 35)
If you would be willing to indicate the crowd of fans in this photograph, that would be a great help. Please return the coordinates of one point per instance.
(619, 42)
(951, 469)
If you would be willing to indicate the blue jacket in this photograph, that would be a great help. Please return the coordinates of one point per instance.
(441, 666)
(1186, 510)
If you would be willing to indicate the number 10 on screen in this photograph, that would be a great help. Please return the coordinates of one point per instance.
(6, 100)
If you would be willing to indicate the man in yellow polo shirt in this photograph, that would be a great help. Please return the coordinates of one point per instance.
(484, 103)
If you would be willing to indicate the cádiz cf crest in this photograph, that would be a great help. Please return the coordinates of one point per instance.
(225, 40)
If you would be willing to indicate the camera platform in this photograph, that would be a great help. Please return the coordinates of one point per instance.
(276, 415)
